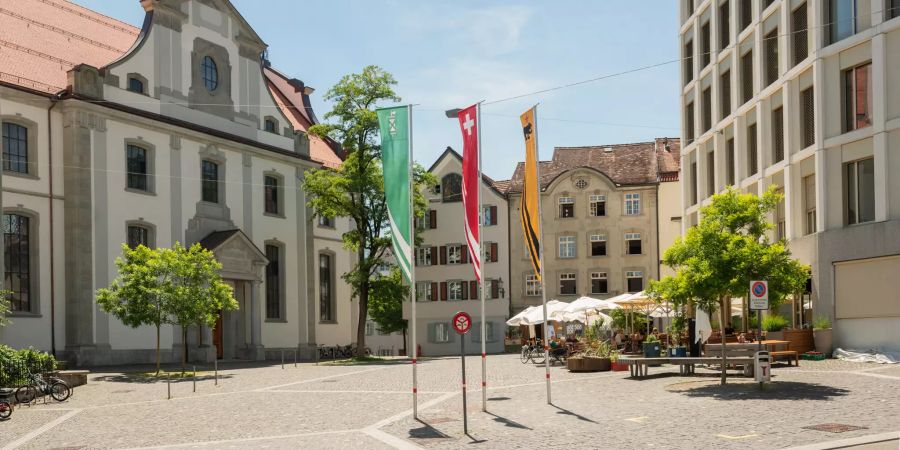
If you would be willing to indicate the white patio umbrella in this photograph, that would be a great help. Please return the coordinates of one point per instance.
(516, 320)
(638, 300)
(536, 315)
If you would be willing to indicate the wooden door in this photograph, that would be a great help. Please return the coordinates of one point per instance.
(217, 337)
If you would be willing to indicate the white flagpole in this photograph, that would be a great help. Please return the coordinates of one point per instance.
(483, 280)
(537, 158)
(412, 269)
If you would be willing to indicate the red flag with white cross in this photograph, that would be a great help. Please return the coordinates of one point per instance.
(468, 123)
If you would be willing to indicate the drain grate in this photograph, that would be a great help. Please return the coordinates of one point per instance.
(835, 427)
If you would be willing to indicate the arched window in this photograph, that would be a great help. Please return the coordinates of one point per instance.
(451, 187)
(210, 73)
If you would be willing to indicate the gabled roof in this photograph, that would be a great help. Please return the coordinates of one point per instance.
(40, 40)
(624, 164)
(216, 239)
(449, 152)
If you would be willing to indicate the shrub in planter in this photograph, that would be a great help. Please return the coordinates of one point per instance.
(822, 335)
(652, 348)
(17, 364)
(678, 352)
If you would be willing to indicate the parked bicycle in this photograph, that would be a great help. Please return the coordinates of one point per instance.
(340, 352)
(56, 388)
(533, 353)
(6, 410)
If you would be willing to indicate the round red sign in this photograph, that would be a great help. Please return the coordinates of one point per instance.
(462, 322)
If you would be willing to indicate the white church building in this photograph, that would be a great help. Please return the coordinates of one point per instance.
(178, 131)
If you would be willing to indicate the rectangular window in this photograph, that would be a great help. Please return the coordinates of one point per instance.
(729, 162)
(210, 182)
(857, 97)
(780, 218)
(746, 15)
(747, 77)
(689, 122)
(840, 19)
(724, 25)
(632, 204)
(15, 148)
(532, 286)
(567, 284)
(599, 283)
(489, 216)
(273, 284)
(136, 85)
(567, 246)
(423, 291)
(800, 35)
(137, 168)
(807, 117)
(635, 281)
(566, 207)
(424, 256)
(598, 205)
(17, 261)
(777, 134)
(271, 126)
(694, 184)
(725, 93)
(752, 151)
(770, 44)
(598, 245)
(893, 9)
(633, 243)
(454, 254)
(860, 191)
(370, 328)
(327, 222)
(455, 289)
(490, 249)
(710, 173)
(138, 235)
(809, 199)
(271, 194)
(441, 332)
(705, 48)
(326, 289)
(688, 62)
(707, 109)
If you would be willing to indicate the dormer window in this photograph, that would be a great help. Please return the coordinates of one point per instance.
(451, 187)
(210, 73)
(135, 85)
(271, 126)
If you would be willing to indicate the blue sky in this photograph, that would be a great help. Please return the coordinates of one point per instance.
(452, 54)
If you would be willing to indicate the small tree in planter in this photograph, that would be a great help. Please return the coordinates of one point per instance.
(822, 335)
(652, 347)
(773, 325)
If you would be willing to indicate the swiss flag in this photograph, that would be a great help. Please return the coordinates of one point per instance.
(468, 123)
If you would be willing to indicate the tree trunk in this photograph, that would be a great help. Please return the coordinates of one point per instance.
(184, 354)
(157, 349)
(363, 317)
(405, 350)
(722, 332)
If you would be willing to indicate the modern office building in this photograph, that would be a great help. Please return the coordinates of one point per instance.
(804, 95)
(608, 214)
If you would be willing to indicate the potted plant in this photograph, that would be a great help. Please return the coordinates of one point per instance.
(822, 335)
(575, 363)
(652, 348)
(596, 357)
(614, 363)
(676, 330)
(774, 326)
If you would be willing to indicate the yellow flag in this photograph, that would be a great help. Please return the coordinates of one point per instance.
(531, 196)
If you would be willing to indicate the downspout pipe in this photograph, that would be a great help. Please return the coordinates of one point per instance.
(53, 102)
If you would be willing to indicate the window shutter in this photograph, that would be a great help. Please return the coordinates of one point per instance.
(451, 333)
(434, 292)
(443, 255)
(431, 333)
(443, 291)
(493, 215)
(476, 332)
(494, 251)
(433, 216)
(434, 256)
(495, 289)
(464, 254)
(416, 257)
(473, 288)
(464, 289)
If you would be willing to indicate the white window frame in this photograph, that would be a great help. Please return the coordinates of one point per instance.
(486, 215)
(568, 242)
(532, 286)
(441, 332)
(454, 254)
(639, 274)
(424, 256)
(568, 276)
(593, 201)
(632, 204)
(633, 237)
(566, 201)
(459, 286)
(855, 218)
(423, 291)
(370, 328)
(599, 276)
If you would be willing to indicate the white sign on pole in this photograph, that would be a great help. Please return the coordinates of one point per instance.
(759, 295)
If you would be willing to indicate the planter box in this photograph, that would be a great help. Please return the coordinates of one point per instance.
(801, 340)
(678, 352)
(575, 364)
(774, 335)
(652, 349)
(823, 341)
(594, 364)
(618, 367)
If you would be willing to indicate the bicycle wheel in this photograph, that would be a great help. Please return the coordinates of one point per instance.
(538, 356)
(25, 394)
(525, 355)
(5, 410)
(60, 391)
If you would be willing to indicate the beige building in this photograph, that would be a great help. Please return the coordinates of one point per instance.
(804, 95)
(602, 221)
(174, 132)
(445, 279)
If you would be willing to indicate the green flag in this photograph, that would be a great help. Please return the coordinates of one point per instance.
(395, 156)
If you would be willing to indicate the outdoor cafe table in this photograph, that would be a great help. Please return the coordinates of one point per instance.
(773, 344)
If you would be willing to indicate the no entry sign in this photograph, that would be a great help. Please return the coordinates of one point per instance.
(462, 322)
(759, 295)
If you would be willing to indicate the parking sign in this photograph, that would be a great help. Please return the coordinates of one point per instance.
(759, 295)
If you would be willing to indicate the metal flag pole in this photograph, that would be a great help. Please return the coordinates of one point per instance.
(537, 163)
(481, 270)
(412, 270)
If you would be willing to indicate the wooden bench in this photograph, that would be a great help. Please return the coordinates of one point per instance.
(791, 354)
(738, 355)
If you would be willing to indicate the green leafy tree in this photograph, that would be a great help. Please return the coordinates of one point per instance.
(356, 188)
(194, 292)
(730, 247)
(386, 303)
(136, 297)
(4, 307)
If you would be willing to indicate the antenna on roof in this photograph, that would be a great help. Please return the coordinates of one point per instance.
(666, 143)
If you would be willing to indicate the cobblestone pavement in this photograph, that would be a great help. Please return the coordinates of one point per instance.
(369, 406)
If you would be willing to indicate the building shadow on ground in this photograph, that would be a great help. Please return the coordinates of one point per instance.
(145, 378)
(426, 431)
(778, 390)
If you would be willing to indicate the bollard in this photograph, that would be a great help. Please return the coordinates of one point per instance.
(169, 385)
(216, 369)
(295, 358)
(195, 378)
(317, 356)
(282, 359)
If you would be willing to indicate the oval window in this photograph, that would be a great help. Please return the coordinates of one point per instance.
(210, 73)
